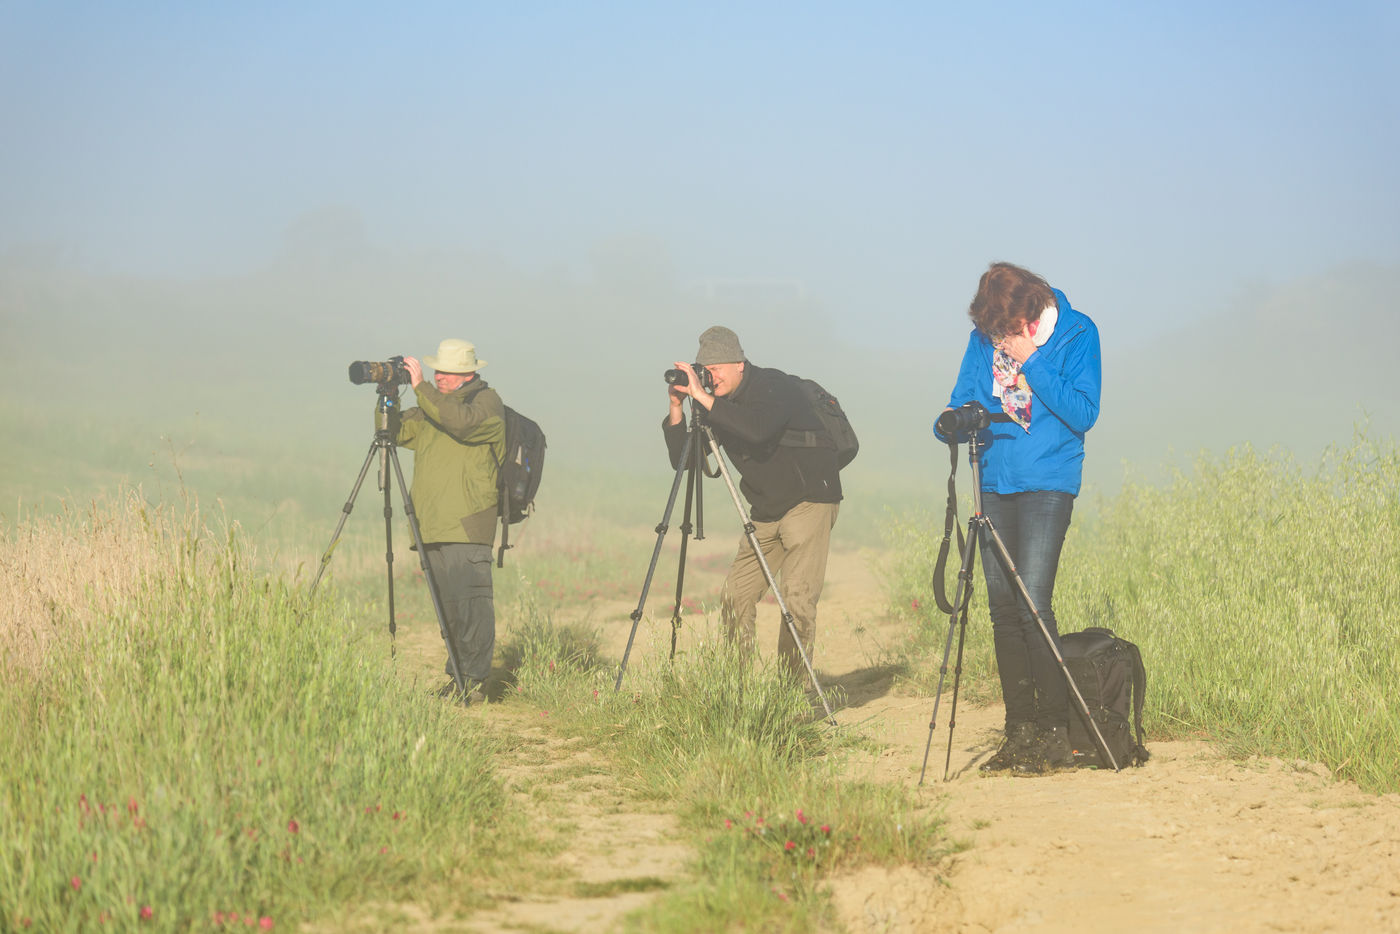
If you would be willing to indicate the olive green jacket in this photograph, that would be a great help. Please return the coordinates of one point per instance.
(458, 439)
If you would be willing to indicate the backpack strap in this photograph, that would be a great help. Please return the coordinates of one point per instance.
(1139, 752)
(807, 438)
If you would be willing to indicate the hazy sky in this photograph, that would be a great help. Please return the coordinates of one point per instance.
(1151, 159)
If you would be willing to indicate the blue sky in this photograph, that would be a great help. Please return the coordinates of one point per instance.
(1153, 160)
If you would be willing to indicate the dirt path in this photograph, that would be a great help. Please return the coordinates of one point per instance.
(1190, 842)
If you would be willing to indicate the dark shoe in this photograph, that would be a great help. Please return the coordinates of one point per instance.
(476, 692)
(1050, 752)
(1020, 740)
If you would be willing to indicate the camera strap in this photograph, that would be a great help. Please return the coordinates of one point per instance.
(950, 524)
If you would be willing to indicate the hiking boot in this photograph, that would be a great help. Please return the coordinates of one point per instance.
(1050, 752)
(1020, 740)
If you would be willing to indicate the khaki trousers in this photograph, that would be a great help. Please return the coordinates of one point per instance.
(795, 548)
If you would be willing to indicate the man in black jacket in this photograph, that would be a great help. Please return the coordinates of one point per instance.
(793, 491)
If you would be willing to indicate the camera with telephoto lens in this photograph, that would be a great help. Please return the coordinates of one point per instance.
(971, 416)
(679, 377)
(390, 372)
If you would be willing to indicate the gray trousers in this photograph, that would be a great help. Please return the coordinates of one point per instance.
(795, 548)
(462, 574)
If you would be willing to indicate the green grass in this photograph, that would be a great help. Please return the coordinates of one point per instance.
(208, 741)
(763, 787)
(1263, 595)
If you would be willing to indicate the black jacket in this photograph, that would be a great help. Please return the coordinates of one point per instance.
(749, 424)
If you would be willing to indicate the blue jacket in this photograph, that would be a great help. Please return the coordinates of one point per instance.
(1065, 377)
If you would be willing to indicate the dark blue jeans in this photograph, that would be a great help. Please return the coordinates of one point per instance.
(1032, 526)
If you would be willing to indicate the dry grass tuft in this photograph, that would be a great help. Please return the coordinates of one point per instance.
(75, 569)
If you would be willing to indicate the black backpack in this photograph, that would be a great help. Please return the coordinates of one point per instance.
(518, 478)
(1109, 674)
(836, 427)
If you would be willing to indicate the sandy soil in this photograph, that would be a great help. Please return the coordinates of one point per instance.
(1192, 841)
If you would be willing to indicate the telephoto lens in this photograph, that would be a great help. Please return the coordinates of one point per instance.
(390, 371)
(970, 416)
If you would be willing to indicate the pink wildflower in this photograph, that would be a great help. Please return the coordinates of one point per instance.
(293, 826)
(265, 923)
(789, 845)
(383, 850)
(147, 912)
(826, 829)
(76, 883)
(728, 823)
(802, 818)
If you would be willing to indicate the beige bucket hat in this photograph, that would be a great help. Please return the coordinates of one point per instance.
(455, 356)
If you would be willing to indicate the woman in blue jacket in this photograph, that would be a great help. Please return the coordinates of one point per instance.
(1036, 359)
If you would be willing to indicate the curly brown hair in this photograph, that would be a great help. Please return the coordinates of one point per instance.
(1007, 298)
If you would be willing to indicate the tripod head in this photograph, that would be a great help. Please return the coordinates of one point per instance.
(387, 413)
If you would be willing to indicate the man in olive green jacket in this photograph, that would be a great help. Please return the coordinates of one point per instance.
(457, 435)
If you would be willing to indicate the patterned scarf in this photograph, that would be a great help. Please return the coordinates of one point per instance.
(1009, 383)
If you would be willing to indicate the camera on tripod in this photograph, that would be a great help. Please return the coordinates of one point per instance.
(971, 416)
(389, 373)
(679, 377)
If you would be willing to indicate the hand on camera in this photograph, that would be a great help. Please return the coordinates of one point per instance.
(415, 370)
(694, 386)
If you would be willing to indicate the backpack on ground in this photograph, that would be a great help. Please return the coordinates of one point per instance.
(836, 431)
(518, 477)
(1109, 674)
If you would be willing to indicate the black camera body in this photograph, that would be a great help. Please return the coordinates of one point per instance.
(970, 416)
(391, 372)
(679, 377)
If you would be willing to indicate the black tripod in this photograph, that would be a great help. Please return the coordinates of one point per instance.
(692, 462)
(979, 524)
(386, 420)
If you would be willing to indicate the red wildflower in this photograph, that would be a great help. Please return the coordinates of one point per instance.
(131, 805)
(293, 826)
(398, 815)
(383, 850)
(802, 818)
(914, 603)
(826, 829)
(811, 852)
(728, 823)
(76, 883)
(147, 912)
(265, 923)
(789, 845)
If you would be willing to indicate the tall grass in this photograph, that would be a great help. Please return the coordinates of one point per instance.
(194, 739)
(1263, 594)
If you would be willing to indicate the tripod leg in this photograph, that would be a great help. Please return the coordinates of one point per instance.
(345, 514)
(752, 534)
(690, 492)
(655, 554)
(389, 561)
(1010, 566)
(960, 602)
(957, 674)
(457, 673)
